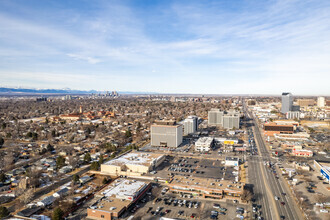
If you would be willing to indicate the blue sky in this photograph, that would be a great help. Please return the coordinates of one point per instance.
(214, 47)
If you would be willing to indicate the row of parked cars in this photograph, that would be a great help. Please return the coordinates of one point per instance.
(181, 202)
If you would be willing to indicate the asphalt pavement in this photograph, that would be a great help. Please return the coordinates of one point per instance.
(267, 186)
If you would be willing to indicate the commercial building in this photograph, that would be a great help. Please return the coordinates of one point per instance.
(251, 102)
(293, 115)
(301, 136)
(228, 120)
(231, 161)
(206, 187)
(302, 152)
(287, 102)
(132, 164)
(190, 125)
(226, 141)
(166, 134)
(272, 128)
(305, 102)
(324, 168)
(321, 102)
(204, 144)
(116, 198)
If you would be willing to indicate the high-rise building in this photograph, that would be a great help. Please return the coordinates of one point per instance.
(215, 117)
(167, 134)
(287, 102)
(320, 102)
(228, 120)
(231, 121)
(190, 125)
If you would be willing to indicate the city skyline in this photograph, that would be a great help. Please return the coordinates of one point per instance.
(183, 47)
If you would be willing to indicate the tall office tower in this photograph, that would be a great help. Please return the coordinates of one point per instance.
(215, 117)
(166, 134)
(287, 102)
(320, 102)
(190, 125)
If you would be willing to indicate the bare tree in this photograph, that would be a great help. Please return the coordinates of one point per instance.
(27, 196)
(73, 161)
(247, 195)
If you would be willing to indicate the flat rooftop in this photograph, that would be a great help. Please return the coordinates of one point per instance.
(204, 140)
(123, 188)
(118, 195)
(135, 158)
(207, 184)
(232, 158)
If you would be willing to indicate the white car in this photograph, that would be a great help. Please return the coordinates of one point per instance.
(324, 210)
(277, 198)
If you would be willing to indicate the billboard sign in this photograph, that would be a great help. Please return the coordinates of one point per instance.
(229, 142)
(325, 174)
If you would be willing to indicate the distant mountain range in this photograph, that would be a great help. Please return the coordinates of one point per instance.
(8, 91)
(32, 91)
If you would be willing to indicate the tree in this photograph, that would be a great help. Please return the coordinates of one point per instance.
(95, 165)
(73, 161)
(101, 160)
(2, 141)
(27, 196)
(3, 212)
(87, 158)
(60, 161)
(105, 180)
(4, 125)
(50, 147)
(34, 175)
(247, 195)
(2, 177)
(128, 134)
(75, 178)
(58, 214)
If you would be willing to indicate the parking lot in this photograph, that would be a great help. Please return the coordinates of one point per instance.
(195, 167)
(181, 206)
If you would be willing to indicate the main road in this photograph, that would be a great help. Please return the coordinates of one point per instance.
(266, 185)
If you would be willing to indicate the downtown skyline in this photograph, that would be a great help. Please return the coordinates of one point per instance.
(209, 47)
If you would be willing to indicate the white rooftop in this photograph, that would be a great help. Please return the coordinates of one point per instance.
(204, 140)
(135, 159)
(123, 188)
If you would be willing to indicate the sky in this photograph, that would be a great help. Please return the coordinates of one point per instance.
(183, 46)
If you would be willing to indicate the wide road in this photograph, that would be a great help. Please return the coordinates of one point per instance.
(267, 186)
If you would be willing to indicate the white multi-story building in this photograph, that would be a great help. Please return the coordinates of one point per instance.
(190, 125)
(215, 117)
(227, 120)
(204, 144)
(320, 102)
(293, 115)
